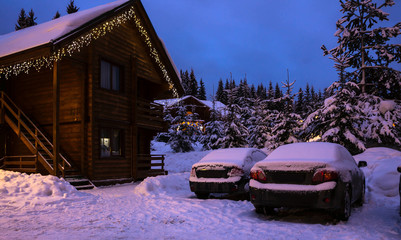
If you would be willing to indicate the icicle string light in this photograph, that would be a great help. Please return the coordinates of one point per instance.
(85, 40)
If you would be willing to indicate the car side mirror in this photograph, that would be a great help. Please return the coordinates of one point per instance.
(362, 164)
(399, 169)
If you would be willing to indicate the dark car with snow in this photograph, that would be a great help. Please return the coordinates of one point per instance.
(224, 171)
(308, 175)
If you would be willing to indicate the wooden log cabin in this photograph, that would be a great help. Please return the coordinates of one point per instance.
(77, 95)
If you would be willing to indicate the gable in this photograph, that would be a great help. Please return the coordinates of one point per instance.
(82, 29)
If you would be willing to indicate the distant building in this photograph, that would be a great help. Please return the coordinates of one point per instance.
(193, 105)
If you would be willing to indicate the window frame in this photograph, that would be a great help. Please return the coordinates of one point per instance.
(112, 65)
(110, 130)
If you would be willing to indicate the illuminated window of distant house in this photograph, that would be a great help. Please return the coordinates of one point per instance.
(110, 76)
(110, 142)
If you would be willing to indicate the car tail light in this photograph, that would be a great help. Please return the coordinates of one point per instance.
(193, 172)
(324, 176)
(258, 175)
(236, 172)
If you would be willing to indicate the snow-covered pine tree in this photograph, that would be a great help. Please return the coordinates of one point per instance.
(213, 130)
(182, 132)
(235, 133)
(381, 124)
(369, 48)
(71, 7)
(339, 119)
(285, 128)
(258, 124)
(285, 123)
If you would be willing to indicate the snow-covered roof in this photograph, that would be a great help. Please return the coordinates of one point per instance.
(219, 106)
(52, 31)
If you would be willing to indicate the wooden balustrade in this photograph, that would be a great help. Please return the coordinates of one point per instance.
(150, 114)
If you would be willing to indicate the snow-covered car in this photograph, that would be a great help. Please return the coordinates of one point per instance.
(399, 186)
(308, 175)
(224, 171)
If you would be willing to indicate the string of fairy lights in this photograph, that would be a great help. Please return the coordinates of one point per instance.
(85, 40)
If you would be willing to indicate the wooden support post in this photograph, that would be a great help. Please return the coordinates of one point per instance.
(56, 123)
(134, 127)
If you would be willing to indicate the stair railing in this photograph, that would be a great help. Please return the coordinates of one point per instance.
(17, 113)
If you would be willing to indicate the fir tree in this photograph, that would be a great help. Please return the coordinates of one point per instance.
(253, 91)
(221, 94)
(182, 132)
(284, 129)
(72, 8)
(213, 131)
(300, 104)
(185, 82)
(30, 20)
(235, 133)
(339, 119)
(258, 125)
(368, 49)
(285, 123)
(22, 20)
(202, 91)
(193, 84)
(57, 15)
(382, 121)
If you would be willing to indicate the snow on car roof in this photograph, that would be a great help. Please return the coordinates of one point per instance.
(235, 156)
(311, 152)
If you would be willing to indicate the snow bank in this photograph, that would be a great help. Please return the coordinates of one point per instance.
(172, 184)
(22, 189)
(381, 172)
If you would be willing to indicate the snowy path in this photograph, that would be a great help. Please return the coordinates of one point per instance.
(164, 208)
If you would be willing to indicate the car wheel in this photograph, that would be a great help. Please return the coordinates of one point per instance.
(361, 198)
(202, 195)
(345, 209)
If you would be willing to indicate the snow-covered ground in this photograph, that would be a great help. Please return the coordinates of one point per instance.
(38, 207)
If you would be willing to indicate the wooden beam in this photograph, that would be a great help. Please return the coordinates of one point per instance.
(56, 120)
(134, 126)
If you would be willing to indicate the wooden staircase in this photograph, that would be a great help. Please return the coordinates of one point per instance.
(39, 145)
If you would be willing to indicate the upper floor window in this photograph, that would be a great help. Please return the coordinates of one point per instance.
(110, 76)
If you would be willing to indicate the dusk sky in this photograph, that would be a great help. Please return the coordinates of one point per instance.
(258, 38)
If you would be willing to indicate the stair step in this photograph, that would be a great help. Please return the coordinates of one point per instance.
(84, 187)
(80, 183)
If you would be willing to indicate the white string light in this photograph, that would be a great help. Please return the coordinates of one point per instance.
(85, 40)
